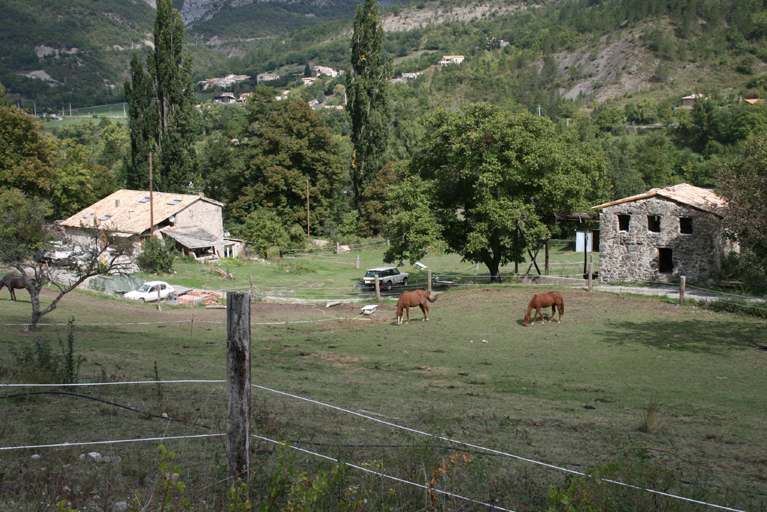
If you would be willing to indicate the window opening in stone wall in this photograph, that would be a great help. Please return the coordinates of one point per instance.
(665, 262)
(623, 222)
(685, 225)
(653, 223)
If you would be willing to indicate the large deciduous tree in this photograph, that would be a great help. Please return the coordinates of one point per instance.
(161, 102)
(744, 184)
(286, 145)
(368, 102)
(26, 155)
(491, 181)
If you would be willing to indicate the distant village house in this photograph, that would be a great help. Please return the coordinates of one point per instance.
(225, 98)
(324, 70)
(688, 102)
(266, 77)
(223, 83)
(451, 59)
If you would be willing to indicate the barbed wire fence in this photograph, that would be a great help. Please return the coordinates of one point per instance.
(454, 443)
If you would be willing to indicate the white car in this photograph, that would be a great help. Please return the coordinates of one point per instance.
(147, 292)
(387, 277)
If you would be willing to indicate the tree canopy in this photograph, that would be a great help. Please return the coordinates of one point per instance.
(743, 182)
(161, 102)
(367, 89)
(492, 181)
(286, 144)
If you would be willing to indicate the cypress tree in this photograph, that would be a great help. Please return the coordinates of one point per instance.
(161, 103)
(368, 101)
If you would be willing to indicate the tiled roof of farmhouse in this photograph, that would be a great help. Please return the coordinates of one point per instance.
(697, 197)
(127, 211)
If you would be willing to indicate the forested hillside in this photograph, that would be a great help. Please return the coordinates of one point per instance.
(605, 79)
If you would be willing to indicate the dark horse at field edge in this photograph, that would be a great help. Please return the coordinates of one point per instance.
(544, 300)
(13, 282)
(407, 300)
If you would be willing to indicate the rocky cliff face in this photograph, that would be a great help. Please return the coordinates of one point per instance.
(201, 10)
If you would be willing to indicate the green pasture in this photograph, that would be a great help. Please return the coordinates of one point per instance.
(673, 394)
(322, 275)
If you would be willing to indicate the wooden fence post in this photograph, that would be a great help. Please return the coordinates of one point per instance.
(358, 261)
(378, 289)
(682, 286)
(251, 287)
(546, 259)
(238, 385)
(591, 270)
(428, 281)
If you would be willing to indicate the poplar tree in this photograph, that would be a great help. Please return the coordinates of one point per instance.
(161, 103)
(368, 102)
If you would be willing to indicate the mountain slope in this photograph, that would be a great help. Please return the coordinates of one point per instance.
(80, 47)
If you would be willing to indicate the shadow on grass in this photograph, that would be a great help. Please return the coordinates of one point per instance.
(684, 336)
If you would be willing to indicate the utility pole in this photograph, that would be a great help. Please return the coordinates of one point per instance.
(539, 111)
(307, 208)
(151, 203)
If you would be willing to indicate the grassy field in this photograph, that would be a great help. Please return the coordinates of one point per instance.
(322, 275)
(673, 395)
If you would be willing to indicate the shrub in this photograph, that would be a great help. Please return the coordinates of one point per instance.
(156, 255)
(37, 362)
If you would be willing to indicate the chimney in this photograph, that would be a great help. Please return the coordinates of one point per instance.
(117, 203)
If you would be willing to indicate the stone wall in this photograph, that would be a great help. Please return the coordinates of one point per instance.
(640, 254)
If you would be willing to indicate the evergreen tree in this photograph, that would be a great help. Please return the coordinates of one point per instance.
(368, 98)
(161, 101)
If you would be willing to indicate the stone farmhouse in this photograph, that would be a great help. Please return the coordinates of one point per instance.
(662, 235)
(195, 222)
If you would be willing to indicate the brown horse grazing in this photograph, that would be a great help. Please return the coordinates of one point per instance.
(412, 299)
(544, 300)
(12, 281)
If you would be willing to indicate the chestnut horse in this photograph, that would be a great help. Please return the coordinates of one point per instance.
(12, 281)
(412, 299)
(544, 300)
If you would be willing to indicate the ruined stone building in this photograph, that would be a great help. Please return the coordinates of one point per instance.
(662, 235)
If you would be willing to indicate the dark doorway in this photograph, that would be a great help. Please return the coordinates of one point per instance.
(665, 261)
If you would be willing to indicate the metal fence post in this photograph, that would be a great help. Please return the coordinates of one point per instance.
(238, 385)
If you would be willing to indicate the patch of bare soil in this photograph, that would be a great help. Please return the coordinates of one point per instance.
(260, 312)
(616, 66)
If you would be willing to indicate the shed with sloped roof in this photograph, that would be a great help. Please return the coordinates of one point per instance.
(663, 234)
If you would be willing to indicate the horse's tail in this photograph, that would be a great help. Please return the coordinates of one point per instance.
(430, 299)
